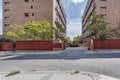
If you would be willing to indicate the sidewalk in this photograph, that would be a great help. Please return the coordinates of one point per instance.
(54, 75)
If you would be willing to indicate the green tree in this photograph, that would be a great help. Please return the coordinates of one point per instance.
(78, 39)
(60, 31)
(32, 31)
(116, 31)
(46, 30)
(16, 31)
(96, 25)
(68, 40)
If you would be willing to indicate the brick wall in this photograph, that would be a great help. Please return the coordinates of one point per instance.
(106, 44)
(34, 45)
(7, 47)
(58, 45)
(39, 45)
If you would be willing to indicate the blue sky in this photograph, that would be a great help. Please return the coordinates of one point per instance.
(74, 10)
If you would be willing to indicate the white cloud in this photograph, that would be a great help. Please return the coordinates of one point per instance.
(77, 1)
(74, 27)
(81, 11)
(73, 1)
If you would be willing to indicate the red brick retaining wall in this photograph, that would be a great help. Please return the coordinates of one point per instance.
(106, 44)
(6, 46)
(58, 45)
(39, 45)
(34, 45)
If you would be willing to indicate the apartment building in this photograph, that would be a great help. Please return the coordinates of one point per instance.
(109, 8)
(22, 11)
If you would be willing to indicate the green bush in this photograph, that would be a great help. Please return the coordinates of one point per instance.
(103, 35)
(5, 40)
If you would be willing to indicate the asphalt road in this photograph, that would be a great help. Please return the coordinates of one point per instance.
(68, 54)
(102, 62)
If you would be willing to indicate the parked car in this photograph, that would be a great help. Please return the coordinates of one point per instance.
(74, 45)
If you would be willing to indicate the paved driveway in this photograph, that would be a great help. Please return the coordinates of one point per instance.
(102, 62)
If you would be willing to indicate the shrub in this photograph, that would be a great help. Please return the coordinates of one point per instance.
(103, 35)
(5, 40)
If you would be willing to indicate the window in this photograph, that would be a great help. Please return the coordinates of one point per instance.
(26, 0)
(7, 17)
(56, 19)
(56, 8)
(32, 14)
(31, 7)
(104, 15)
(103, 8)
(26, 14)
(6, 3)
(103, 0)
(6, 10)
(7, 25)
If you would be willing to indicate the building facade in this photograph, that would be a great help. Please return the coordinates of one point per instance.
(109, 8)
(22, 11)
